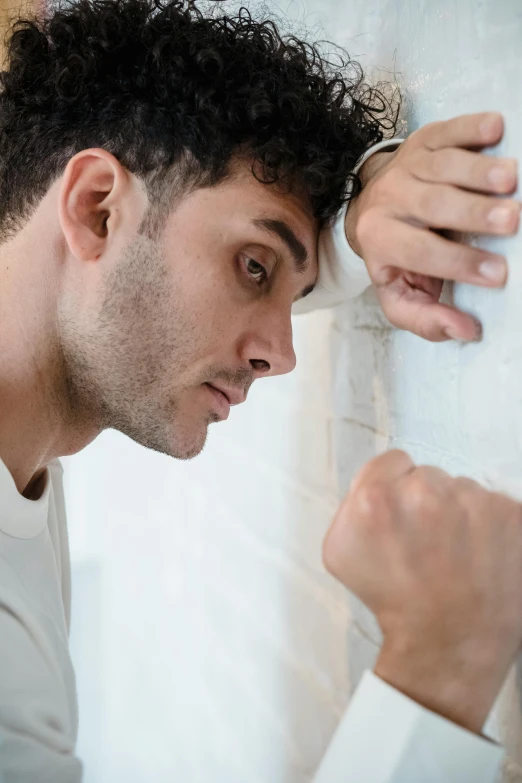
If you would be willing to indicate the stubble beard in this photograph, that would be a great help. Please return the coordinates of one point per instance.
(116, 366)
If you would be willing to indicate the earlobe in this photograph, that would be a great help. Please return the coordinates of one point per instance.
(88, 201)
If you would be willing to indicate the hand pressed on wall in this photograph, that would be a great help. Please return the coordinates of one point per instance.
(438, 561)
(436, 180)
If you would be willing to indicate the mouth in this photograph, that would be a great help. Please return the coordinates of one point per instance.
(220, 401)
(234, 395)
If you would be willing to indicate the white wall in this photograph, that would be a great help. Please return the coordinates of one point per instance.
(210, 645)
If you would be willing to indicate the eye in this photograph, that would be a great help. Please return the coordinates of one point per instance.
(256, 271)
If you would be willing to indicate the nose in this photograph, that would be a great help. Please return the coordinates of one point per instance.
(268, 345)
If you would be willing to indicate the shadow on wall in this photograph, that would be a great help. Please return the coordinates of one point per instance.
(361, 356)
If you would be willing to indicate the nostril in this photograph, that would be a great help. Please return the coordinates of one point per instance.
(260, 365)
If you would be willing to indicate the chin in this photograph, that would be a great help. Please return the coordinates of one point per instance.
(188, 453)
(180, 437)
(186, 446)
(182, 444)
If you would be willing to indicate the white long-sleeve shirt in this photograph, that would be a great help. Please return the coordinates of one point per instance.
(384, 737)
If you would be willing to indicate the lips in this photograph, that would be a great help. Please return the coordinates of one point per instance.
(220, 401)
(214, 388)
(233, 396)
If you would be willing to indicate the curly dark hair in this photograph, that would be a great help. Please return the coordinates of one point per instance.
(161, 83)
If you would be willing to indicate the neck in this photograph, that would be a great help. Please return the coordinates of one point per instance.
(36, 424)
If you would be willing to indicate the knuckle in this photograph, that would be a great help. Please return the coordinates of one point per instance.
(468, 494)
(423, 474)
(481, 503)
(371, 499)
(505, 509)
(411, 142)
(400, 458)
(421, 494)
(413, 158)
(463, 485)
(442, 163)
(428, 129)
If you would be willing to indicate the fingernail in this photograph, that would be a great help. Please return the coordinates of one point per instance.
(478, 331)
(453, 335)
(476, 337)
(457, 337)
(501, 176)
(493, 269)
(500, 216)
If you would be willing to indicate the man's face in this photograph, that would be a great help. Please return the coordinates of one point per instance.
(205, 307)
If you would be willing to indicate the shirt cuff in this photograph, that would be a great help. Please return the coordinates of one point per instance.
(386, 737)
(342, 273)
(382, 145)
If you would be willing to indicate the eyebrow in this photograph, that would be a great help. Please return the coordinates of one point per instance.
(284, 232)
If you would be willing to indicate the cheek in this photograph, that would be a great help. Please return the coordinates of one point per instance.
(216, 317)
(213, 309)
(207, 341)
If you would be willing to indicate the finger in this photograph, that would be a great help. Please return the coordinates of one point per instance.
(430, 285)
(466, 484)
(424, 252)
(426, 475)
(471, 170)
(445, 206)
(419, 312)
(468, 130)
(385, 468)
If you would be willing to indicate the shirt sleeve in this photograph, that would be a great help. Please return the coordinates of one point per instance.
(35, 741)
(342, 273)
(385, 737)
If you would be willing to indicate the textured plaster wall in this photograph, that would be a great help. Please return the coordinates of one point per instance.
(211, 646)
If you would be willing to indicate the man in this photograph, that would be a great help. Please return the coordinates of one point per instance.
(171, 184)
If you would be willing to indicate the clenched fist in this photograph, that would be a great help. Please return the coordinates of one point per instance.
(439, 562)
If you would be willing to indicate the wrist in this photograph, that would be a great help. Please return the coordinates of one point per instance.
(366, 173)
(448, 686)
(375, 163)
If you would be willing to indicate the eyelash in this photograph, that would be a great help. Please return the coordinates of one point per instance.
(262, 271)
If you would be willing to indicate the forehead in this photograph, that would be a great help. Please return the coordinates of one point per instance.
(241, 193)
(241, 176)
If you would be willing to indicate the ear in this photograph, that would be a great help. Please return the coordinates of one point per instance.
(99, 203)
